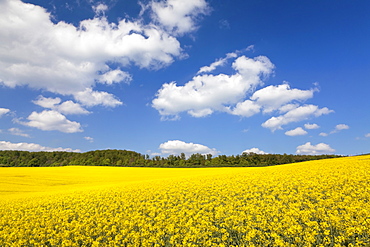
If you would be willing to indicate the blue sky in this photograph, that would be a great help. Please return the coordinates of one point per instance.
(192, 76)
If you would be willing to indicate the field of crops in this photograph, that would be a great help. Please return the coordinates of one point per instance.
(316, 203)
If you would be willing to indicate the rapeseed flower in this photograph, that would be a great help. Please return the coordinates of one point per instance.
(316, 203)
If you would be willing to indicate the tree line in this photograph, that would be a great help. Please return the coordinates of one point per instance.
(124, 158)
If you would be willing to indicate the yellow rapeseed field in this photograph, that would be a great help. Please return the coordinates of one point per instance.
(316, 203)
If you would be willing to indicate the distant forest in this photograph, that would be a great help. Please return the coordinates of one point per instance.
(124, 158)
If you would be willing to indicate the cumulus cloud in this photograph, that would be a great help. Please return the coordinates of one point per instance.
(296, 132)
(70, 107)
(22, 146)
(3, 111)
(367, 135)
(89, 97)
(237, 94)
(274, 97)
(67, 107)
(17, 132)
(176, 147)
(47, 102)
(52, 120)
(115, 76)
(70, 60)
(311, 126)
(340, 127)
(246, 108)
(295, 115)
(207, 93)
(323, 134)
(287, 107)
(177, 16)
(310, 149)
(254, 150)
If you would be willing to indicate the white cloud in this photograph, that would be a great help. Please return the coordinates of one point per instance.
(67, 107)
(311, 126)
(100, 9)
(340, 127)
(217, 63)
(178, 16)
(246, 108)
(253, 70)
(52, 120)
(367, 135)
(273, 97)
(287, 107)
(207, 93)
(17, 132)
(310, 149)
(296, 132)
(88, 138)
(115, 76)
(3, 111)
(254, 150)
(4, 145)
(68, 60)
(298, 114)
(92, 98)
(201, 112)
(70, 107)
(177, 147)
(47, 102)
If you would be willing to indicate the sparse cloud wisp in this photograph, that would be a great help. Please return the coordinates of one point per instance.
(22, 146)
(3, 111)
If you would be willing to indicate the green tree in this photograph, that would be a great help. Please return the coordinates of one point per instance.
(33, 162)
(106, 162)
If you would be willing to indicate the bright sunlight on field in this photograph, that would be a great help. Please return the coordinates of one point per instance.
(316, 203)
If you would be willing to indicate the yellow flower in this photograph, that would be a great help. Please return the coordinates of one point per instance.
(305, 204)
